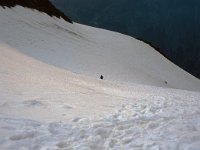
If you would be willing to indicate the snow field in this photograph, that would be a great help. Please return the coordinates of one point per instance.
(51, 96)
(158, 122)
(89, 51)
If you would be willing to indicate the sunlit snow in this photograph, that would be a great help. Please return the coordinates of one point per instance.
(51, 96)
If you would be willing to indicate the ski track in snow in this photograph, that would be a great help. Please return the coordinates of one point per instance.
(157, 122)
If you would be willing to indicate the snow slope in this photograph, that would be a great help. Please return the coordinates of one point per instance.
(89, 51)
(44, 105)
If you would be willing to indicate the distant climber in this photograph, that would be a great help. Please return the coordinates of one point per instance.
(101, 77)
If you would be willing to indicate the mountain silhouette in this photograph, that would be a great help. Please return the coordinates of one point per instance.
(40, 5)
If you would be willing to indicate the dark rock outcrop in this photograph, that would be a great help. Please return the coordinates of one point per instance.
(40, 5)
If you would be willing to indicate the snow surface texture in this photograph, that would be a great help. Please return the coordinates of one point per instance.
(158, 121)
(44, 106)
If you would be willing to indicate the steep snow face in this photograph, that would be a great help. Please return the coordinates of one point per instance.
(89, 51)
(170, 26)
(44, 106)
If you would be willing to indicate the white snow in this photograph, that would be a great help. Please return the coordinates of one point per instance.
(89, 51)
(44, 105)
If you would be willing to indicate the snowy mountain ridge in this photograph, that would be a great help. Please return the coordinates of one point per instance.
(40, 5)
(90, 51)
(51, 96)
(172, 27)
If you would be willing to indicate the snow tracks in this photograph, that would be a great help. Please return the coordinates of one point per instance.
(156, 122)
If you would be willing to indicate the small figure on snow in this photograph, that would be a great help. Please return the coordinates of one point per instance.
(101, 77)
